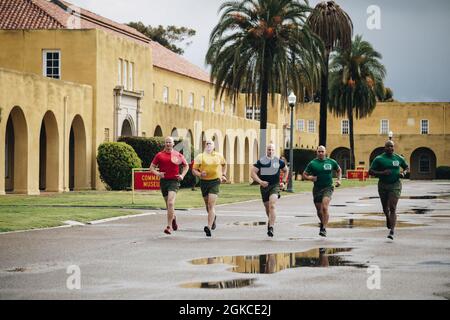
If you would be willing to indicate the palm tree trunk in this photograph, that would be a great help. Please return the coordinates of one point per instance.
(352, 139)
(263, 115)
(324, 102)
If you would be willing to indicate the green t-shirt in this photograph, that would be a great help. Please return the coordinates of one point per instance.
(322, 169)
(393, 163)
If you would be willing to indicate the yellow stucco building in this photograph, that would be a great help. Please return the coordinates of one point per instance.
(71, 80)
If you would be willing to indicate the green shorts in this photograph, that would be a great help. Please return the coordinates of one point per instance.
(169, 185)
(319, 194)
(387, 190)
(209, 186)
(270, 190)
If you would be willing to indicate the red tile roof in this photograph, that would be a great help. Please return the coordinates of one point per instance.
(58, 14)
(169, 60)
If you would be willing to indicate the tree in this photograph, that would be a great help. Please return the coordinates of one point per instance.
(334, 26)
(356, 80)
(168, 37)
(262, 47)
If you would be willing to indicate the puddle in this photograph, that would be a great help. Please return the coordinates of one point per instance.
(417, 211)
(365, 223)
(250, 224)
(338, 205)
(17, 270)
(230, 284)
(276, 262)
(428, 197)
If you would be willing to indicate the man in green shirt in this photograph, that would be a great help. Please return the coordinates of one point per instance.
(320, 172)
(387, 168)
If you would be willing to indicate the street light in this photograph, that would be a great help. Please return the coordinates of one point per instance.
(292, 99)
(391, 134)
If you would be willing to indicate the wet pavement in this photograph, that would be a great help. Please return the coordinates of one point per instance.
(132, 258)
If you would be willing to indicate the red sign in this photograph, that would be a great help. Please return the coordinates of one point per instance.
(357, 174)
(146, 181)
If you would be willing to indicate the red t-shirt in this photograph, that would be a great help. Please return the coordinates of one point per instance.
(169, 162)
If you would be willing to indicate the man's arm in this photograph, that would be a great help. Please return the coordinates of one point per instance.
(339, 176)
(155, 171)
(255, 177)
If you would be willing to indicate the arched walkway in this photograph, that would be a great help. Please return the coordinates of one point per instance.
(16, 152)
(77, 155)
(342, 156)
(49, 154)
(158, 132)
(236, 163)
(423, 164)
(127, 130)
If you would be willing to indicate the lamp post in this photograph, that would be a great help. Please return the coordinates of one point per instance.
(391, 134)
(292, 99)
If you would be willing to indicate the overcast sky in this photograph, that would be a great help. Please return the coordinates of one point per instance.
(413, 35)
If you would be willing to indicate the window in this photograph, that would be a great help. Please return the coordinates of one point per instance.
(384, 126)
(249, 113)
(424, 163)
(119, 69)
(345, 127)
(257, 114)
(424, 127)
(125, 74)
(202, 103)
(191, 100)
(301, 125)
(179, 97)
(52, 64)
(166, 94)
(106, 135)
(222, 107)
(130, 76)
(213, 105)
(311, 126)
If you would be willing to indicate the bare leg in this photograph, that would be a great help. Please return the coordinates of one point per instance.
(266, 206)
(212, 198)
(325, 215)
(272, 213)
(319, 211)
(170, 202)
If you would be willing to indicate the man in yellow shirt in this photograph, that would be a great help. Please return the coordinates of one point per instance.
(211, 168)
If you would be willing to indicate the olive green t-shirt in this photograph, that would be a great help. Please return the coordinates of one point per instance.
(393, 163)
(323, 170)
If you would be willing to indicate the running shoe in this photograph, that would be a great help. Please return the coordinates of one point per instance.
(207, 231)
(167, 230)
(270, 231)
(391, 235)
(174, 223)
(323, 232)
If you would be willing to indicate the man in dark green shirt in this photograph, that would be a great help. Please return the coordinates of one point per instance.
(387, 168)
(320, 172)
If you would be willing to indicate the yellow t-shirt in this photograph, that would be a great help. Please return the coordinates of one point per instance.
(211, 164)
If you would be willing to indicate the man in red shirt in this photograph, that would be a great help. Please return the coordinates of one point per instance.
(166, 166)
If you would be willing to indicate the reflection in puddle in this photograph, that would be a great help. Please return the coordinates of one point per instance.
(251, 224)
(17, 270)
(428, 197)
(229, 284)
(417, 211)
(275, 262)
(366, 223)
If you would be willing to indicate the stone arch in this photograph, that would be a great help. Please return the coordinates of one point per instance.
(77, 155)
(247, 160)
(423, 164)
(342, 156)
(174, 133)
(215, 138)
(202, 141)
(127, 128)
(16, 152)
(237, 161)
(49, 154)
(158, 132)
(375, 153)
(227, 155)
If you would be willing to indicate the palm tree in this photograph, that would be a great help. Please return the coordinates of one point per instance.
(262, 47)
(334, 26)
(356, 80)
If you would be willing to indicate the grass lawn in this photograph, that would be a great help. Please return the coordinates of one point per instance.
(21, 212)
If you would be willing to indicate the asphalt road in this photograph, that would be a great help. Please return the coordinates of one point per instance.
(131, 258)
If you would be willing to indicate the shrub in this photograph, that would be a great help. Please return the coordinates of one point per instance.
(115, 162)
(443, 173)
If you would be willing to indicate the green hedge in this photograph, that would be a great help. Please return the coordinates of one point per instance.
(147, 148)
(301, 159)
(443, 173)
(115, 162)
